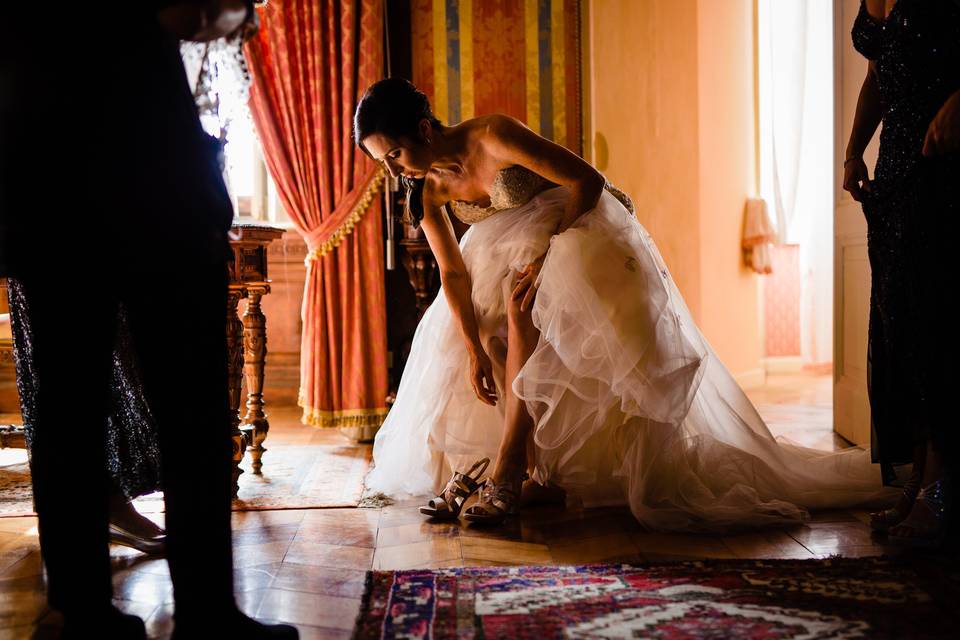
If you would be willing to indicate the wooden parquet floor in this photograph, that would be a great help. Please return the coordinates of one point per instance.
(307, 567)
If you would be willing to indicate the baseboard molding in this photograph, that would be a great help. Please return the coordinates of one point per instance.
(782, 364)
(751, 379)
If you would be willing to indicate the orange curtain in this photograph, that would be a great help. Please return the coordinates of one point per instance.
(309, 64)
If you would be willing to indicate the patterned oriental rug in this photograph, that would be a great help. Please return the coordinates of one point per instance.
(761, 599)
(305, 468)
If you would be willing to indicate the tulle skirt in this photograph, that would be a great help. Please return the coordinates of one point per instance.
(630, 403)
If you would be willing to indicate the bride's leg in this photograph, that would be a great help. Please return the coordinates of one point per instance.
(522, 337)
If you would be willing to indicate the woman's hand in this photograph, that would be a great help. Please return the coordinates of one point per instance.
(943, 134)
(481, 377)
(525, 289)
(856, 178)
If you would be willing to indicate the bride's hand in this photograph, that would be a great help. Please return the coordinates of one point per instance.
(481, 378)
(526, 286)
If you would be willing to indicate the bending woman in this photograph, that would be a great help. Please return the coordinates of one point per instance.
(561, 347)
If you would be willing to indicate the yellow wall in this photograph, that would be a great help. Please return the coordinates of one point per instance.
(644, 112)
(728, 289)
(672, 115)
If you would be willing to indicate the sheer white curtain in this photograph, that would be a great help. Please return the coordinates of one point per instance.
(796, 159)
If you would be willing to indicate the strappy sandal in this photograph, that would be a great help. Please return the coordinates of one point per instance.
(913, 533)
(497, 502)
(449, 502)
(884, 520)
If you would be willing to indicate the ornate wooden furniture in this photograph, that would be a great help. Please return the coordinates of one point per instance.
(247, 339)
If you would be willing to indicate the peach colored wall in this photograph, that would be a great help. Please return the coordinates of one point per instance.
(672, 118)
(728, 289)
(644, 118)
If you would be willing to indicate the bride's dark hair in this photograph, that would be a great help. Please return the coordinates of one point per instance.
(394, 107)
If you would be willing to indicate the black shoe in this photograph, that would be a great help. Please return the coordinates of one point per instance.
(113, 624)
(238, 627)
(154, 546)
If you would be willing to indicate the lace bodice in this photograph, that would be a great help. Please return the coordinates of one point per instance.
(512, 187)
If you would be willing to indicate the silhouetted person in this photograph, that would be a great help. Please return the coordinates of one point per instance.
(110, 194)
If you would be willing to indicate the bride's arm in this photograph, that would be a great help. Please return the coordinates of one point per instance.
(457, 288)
(508, 140)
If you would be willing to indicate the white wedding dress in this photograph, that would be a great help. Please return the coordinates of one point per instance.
(630, 403)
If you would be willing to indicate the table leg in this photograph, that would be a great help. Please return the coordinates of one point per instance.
(255, 423)
(234, 377)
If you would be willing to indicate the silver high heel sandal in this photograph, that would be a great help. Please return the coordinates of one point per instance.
(496, 503)
(884, 520)
(449, 502)
(914, 533)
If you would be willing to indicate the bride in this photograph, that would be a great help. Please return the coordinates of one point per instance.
(560, 347)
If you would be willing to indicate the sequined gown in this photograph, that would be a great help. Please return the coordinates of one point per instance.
(133, 453)
(630, 404)
(911, 227)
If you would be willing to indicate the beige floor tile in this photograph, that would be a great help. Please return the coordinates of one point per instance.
(147, 564)
(610, 547)
(160, 623)
(680, 546)
(393, 516)
(415, 532)
(344, 583)
(249, 601)
(416, 554)
(255, 554)
(347, 533)
(244, 519)
(20, 608)
(827, 536)
(506, 551)
(266, 534)
(31, 565)
(766, 545)
(139, 586)
(259, 576)
(23, 526)
(16, 550)
(311, 609)
(328, 555)
(355, 517)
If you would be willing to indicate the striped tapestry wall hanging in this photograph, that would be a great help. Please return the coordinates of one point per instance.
(517, 57)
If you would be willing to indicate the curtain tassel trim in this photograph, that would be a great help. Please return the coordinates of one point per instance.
(360, 418)
(349, 222)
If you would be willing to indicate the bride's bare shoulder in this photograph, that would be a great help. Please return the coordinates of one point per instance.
(491, 127)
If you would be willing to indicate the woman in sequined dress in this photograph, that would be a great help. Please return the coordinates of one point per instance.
(560, 346)
(911, 207)
(133, 453)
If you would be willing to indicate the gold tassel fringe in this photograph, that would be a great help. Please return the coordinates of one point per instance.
(351, 221)
(347, 418)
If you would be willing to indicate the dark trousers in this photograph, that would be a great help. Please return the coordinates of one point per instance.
(177, 322)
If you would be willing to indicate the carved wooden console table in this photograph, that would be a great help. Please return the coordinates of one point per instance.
(247, 339)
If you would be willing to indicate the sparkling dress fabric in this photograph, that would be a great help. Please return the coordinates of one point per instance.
(630, 403)
(133, 452)
(911, 218)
